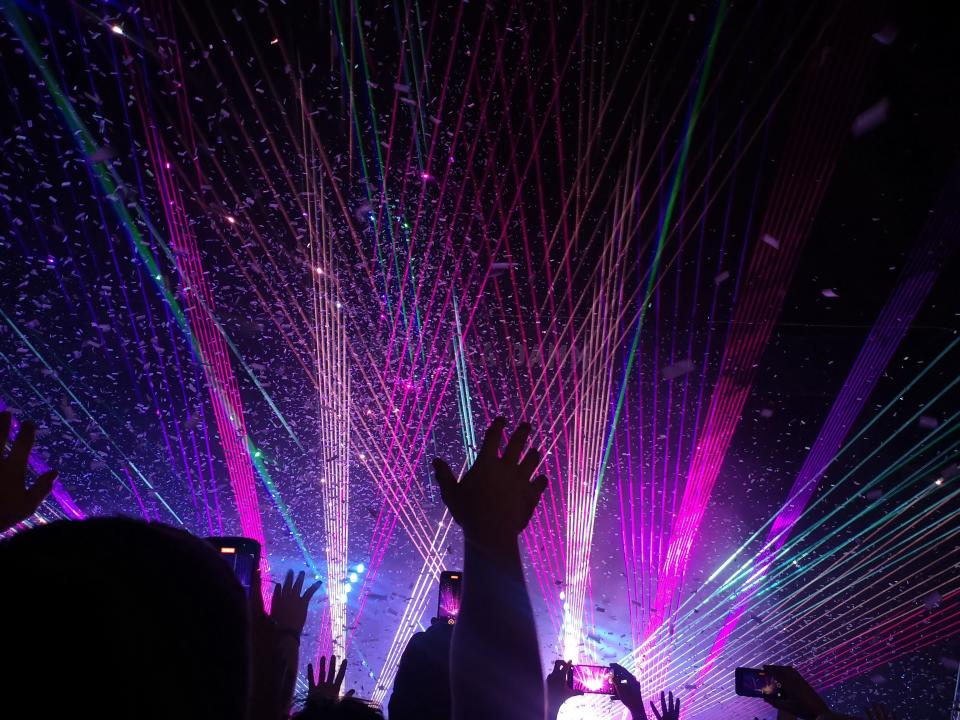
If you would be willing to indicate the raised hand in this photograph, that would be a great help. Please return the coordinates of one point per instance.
(328, 682)
(17, 501)
(668, 709)
(628, 691)
(799, 698)
(288, 608)
(558, 688)
(878, 712)
(495, 499)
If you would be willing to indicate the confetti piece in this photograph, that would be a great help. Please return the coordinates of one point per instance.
(101, 154)
(871, 118)
(927, 422)
(725, 275)
(829, 293)
(933, 600)
(771, 241)
(677, 369)
(887, 35)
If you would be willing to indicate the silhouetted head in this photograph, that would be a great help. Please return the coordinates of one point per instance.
(347, 708)
(421, 690)
(111, 618)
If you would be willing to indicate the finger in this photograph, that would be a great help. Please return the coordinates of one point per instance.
(256, 594)
(5, 421)
(41, 487)
(529, 464)
(655, 712)
(310, 684)
(516, 443)
(676, 708)
(277, 591)
(322, 669)
(298, 583)
(534, 493)
(557, 665)
(22, 446)
(333, 669)
(663, 702)
(491, 441)
(340, 674)
(288, 580)
(308, 595)
(447, 482)
(349, 693)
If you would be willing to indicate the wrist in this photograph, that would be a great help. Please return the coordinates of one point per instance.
(287, 633)
(493, 543)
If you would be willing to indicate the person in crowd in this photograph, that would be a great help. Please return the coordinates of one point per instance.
(115, 618)
(324, 701)
(627, 689)
(17, 501)
(495, 630)
(276, 644)
(421, 689)
(798, 699)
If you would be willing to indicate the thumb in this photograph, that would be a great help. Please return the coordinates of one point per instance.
(446, 480)
(41, 487)
(534, 494)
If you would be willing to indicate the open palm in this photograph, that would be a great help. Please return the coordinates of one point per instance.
(494, 500)
(17, 501)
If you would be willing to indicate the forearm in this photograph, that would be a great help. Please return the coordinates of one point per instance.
(495, 657)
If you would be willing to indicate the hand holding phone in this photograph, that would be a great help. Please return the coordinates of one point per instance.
(594, 679)
(448, 603)
(243, 555)
(751, 682)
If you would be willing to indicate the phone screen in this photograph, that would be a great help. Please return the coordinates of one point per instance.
(243, 555)
(597, 679)
(756, 683)
(448, 604)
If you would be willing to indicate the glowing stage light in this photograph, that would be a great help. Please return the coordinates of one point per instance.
(117, 29)
(360, 568)
(354, 577)
(231, 219)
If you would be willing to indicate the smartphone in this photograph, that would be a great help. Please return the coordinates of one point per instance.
(596, 679)
(448, 604)
(756, 683)
(242, 553)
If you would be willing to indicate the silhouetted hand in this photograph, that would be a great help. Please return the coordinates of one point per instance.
(878, 712)
(288, 609)
(668, 709)
(328, 682)
(799, 698)
(558, 687)
(495, 499)
(17, 502)
(628, 691)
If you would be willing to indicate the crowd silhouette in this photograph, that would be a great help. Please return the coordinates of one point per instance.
(113, 617)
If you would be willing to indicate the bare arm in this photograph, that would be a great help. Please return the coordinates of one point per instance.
(495, 669)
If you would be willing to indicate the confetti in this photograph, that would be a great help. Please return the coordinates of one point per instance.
(871, 118)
